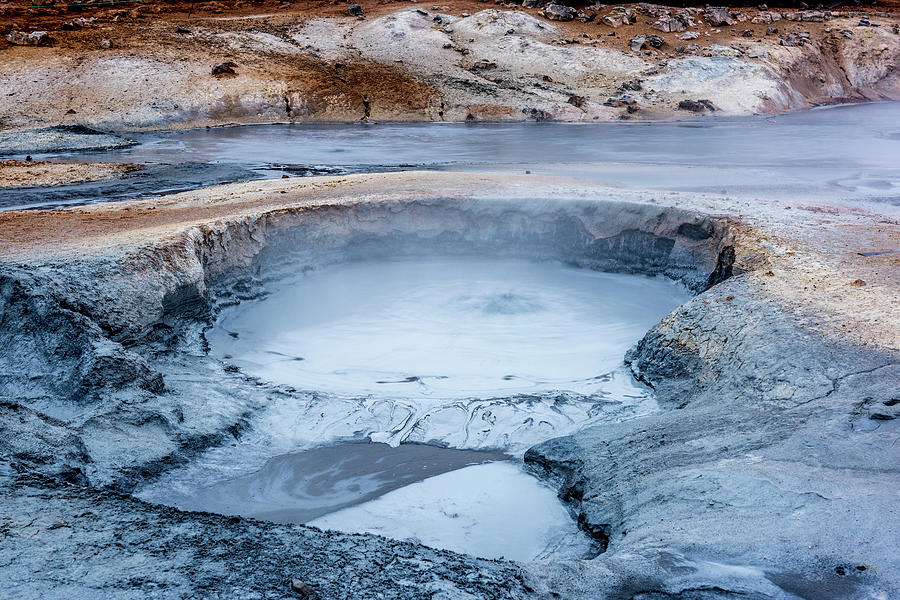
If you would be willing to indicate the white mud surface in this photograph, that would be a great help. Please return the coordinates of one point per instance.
(442, 329)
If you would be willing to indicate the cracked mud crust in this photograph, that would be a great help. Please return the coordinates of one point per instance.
(769, 472)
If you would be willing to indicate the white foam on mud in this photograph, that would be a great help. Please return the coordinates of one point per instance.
(492, 510)
(443, 328)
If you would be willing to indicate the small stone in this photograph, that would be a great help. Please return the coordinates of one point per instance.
(655, 41)
(355, 10)
(576, 101)
(881, 417)
(689, 35)
(225, 68)
(301, 588)
(105, 44)
(484, 65)
(687, 49)
(857, 283)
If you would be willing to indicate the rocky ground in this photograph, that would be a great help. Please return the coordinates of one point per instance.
(771, 471)
(167, 65)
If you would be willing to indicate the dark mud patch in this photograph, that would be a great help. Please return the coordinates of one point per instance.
(301, 486)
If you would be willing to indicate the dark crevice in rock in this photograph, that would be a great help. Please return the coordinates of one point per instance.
(724, 267)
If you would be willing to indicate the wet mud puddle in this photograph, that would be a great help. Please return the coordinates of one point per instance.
(418, 387)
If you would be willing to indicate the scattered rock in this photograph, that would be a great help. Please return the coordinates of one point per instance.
(766, 18)
(225, 68)
(689, 35)
(655, 41)
(812, 16)
(558, 12)
(747, 33)
(688, 49)
(78, 23)
(35, 38)
(619, 102)
(718, 16)
(857, 283)
(792, 40)
(771, 30)
(576, 101)
(105, 44)
(355, 10)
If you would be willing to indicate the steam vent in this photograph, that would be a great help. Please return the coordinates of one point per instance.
(467, 301)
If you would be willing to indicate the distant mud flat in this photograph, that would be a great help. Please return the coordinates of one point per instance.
(18, 173)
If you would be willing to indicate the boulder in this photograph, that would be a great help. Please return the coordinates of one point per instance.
(655, 41)
(637, 42)
(668, 25)
(558, 12)
(718, 16)
(619, 16)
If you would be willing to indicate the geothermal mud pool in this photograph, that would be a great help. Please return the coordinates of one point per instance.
(474, 353)
(848, 152)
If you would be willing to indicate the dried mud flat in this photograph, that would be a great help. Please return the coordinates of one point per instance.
(770, 471)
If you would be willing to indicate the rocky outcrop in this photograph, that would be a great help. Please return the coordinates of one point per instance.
(417, 65)
(761, 476)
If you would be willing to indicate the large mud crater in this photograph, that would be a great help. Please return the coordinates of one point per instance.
(476, 357)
